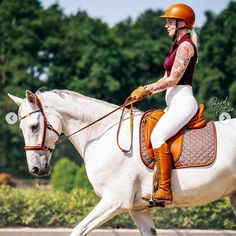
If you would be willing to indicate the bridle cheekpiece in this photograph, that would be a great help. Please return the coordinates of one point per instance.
(46, 126)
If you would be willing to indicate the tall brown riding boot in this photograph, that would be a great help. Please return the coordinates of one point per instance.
(164, 192)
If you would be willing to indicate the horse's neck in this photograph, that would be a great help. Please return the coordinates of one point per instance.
(77, 111)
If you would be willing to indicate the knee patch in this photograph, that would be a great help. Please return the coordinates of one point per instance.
(157, 140)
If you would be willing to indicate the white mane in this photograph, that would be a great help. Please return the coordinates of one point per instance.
(75, 104)
(64, 94)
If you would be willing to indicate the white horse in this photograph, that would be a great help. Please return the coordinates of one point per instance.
(119, 179)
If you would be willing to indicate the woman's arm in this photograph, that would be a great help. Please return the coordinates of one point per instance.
(152, 88)
(183, 56)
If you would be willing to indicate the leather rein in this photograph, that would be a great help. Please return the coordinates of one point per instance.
(46, 126)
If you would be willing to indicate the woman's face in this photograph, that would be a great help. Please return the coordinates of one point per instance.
(170, 26)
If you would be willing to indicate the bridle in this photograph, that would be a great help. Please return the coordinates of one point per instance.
(46, 126)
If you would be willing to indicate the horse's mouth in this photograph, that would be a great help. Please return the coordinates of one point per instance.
(41, 174)
(44, 174)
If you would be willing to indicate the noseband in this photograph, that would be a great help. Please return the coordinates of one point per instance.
(46, 126)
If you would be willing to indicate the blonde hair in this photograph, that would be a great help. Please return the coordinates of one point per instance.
(194, 37)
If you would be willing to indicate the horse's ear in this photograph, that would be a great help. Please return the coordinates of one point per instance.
(30, 97)
(15, 99)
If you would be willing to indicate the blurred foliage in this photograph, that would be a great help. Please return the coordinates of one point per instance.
(81, 179)
(45, 48)
(63, 175)
(216, 72)
(67, 175)
(216, 215)
(44, 208)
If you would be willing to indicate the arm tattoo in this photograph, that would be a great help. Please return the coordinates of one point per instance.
(183, 55)
(154, 87)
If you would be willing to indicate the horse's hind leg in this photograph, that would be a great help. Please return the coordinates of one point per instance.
(232, 198)
(144, 222)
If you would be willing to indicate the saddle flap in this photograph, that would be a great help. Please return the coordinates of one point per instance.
(149, 125)
(198, 121)
(175, 143)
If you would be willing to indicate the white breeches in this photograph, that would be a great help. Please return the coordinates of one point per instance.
(181, 107)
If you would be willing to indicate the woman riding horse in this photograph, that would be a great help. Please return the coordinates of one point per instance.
(177, 81)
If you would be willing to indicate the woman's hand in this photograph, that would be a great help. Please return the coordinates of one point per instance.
(140, 93)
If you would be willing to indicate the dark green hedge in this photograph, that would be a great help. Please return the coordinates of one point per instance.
(217, 215)
(67, 175)
(27, 207)
(34, 208)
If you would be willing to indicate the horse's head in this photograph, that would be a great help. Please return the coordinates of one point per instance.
(41, 127)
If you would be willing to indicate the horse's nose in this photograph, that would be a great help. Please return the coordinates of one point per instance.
(35, 170)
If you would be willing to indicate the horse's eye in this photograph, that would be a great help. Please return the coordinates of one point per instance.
(34, 128)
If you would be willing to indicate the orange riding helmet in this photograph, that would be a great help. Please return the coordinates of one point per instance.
(182, 12)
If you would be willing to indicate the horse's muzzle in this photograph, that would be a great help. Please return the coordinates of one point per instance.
(38, 171)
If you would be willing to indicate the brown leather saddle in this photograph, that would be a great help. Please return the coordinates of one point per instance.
(193, 145)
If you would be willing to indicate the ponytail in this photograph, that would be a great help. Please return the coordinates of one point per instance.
(194, 37)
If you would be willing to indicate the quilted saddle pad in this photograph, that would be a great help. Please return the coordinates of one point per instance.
(198, 147)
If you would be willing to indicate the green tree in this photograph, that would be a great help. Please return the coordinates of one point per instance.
(144, 44)
(88, 58)
(216, 68)
(27, 30)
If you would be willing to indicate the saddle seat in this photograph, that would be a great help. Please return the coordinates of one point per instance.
(176, 142)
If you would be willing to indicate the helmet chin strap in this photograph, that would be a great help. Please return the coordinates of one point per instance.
(177, 28)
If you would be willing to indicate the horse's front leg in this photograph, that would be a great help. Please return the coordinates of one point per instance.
(105, 210)
(144, 222)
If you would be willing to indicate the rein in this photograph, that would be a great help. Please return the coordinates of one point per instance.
(127, 102)
(131, 127)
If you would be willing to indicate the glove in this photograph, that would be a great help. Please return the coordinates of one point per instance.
(139, 93)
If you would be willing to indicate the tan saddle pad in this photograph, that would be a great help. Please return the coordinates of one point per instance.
(194, 145)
